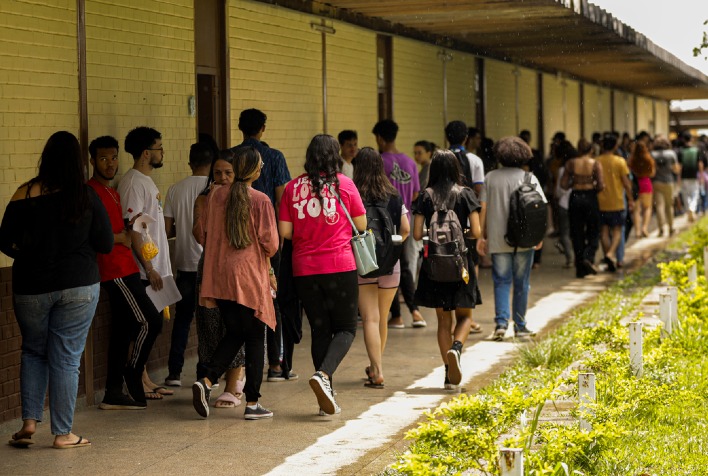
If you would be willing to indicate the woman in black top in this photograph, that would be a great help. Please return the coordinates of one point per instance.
(376, 294)
(52, 228)
(460, 296)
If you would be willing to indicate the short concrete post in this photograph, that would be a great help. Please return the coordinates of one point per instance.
(511, 461)
(692, 274)
(586, 395)
(673, 291)
(636, 361)
(666, 314)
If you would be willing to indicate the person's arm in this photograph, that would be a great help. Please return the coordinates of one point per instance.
(418, 224)
(151, 273)
(599, 177)
(170, 227)
(482, 247)
(360, 222)
(477, 188)
(475, 228)
(285, 229)
(565, 180)
(405, 229)
(628, 190)
(197, 228)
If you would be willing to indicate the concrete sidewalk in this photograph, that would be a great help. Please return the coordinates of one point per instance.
(170, 438)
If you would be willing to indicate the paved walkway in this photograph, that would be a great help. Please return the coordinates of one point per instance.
(170, 438)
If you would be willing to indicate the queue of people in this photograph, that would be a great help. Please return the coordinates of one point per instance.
(255, 247)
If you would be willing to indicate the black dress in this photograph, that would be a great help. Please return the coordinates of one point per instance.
(449, 296)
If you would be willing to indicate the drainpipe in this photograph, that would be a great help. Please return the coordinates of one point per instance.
(324, 30)
(444, 56)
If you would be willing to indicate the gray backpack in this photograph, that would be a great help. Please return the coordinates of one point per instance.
(445, 253)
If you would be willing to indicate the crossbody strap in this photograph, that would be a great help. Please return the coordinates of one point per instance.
(346, 212)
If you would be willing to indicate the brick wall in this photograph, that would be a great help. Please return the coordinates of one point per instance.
(645, 114)
(417, 93)
(624, 112)
(460, 88)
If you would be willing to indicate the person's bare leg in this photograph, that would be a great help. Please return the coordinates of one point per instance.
(461, 331)
(28, 428)
(232, 378)
(369, 310)
(616, 236)
(637, 217)
(385, 299)
(605, 238)
(646, 210)
(444, 336)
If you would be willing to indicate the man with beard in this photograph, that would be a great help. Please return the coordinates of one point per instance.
(133, 316)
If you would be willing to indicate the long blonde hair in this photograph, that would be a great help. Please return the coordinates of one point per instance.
(247, 163)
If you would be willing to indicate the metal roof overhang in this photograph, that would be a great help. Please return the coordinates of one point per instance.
(575, 38)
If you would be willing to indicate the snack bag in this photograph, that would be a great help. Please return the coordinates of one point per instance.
(149, 249)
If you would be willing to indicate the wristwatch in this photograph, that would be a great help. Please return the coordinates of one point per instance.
(271, 271)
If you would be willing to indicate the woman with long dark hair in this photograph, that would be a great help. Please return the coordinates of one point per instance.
(313, 216)
(460, 297)
(376, 294)
(239, 236)
(584, 175)
(53, 227)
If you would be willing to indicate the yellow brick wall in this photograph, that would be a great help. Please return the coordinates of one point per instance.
(140, 72)
(553, 117)
(597, 110)
(417, 93)
(351, 82)
(662, 118)
(501, 114)
(572, 96)
(624, 113)
(645, 114)
(38, 86)
(276, 67)
(460, 88)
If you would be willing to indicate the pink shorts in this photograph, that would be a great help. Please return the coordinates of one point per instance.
(644, 185)
(389, 281)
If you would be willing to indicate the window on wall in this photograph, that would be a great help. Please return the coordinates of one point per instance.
(384, 83)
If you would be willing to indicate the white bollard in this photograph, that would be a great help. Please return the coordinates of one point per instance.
(586, 395)
(666, 314)
(635, 348)
(523, 420)
(511, 461)
(673, 291)
(692, 274)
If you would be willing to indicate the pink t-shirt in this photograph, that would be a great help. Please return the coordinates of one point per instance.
(321, 238)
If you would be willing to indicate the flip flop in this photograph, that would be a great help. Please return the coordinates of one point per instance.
(163, 391)
(153, 395)
(20, 442)
(78, 444)
(475, 328)
(227, 400)
(371, 384)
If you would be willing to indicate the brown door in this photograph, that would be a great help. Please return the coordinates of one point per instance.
(384, 83)
(210, 51)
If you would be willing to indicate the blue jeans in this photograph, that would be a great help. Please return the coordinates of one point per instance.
(508, 269)
(54, 327)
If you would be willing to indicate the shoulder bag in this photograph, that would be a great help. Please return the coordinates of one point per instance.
(363, 244)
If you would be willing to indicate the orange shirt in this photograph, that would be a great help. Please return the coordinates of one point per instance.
(239, 275)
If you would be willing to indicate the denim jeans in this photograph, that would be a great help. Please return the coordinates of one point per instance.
(54, 327)
(511, 269)
(186, 283)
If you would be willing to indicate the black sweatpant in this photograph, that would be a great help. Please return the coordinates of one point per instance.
(133, 319)
(274, 337)
(330, 302)
(584, 217)
(242, 327)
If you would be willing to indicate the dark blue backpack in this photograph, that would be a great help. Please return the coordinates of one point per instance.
(381, 223)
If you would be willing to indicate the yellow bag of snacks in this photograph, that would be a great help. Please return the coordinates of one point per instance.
(149, 249)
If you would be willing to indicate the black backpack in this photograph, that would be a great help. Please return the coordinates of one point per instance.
(464, 166)
(381, 223)
(528, 216)
(445, 251)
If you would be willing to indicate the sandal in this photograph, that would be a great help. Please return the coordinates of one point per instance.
(150, 395)
(374, 384)
(227, 400)
(79, 443)
(475, 328)
(20, 442)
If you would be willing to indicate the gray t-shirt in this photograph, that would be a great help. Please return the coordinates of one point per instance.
(665, 160)
(499, 184)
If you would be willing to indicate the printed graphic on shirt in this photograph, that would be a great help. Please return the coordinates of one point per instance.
(399, 175)
(305, 201)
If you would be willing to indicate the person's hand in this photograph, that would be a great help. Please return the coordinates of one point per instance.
(630, 205)
(273, 282)
(538, 246)
(155, 279)
(125, 239)
(482, 247)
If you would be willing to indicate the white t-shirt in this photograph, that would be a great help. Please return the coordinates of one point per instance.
(139, 194)
(477, 168)
(179, 205)
(348, 169)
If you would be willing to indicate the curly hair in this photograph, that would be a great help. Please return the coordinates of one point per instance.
(322, 162)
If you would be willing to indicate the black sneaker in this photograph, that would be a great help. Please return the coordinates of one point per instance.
(121, 402)
(257, 413)
(454, 372)
(275, 375)
(291, 375)
(499, 333)
(200, 397)
(524, 332)
(323, 391)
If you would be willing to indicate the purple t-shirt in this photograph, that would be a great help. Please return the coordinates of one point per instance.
(402, 171)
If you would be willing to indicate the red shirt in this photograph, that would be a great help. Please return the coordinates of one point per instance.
(119, 262)
(321, 238)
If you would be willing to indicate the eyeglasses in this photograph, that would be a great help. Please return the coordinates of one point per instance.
(159, 148)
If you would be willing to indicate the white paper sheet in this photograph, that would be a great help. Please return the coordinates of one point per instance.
(168, 295)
